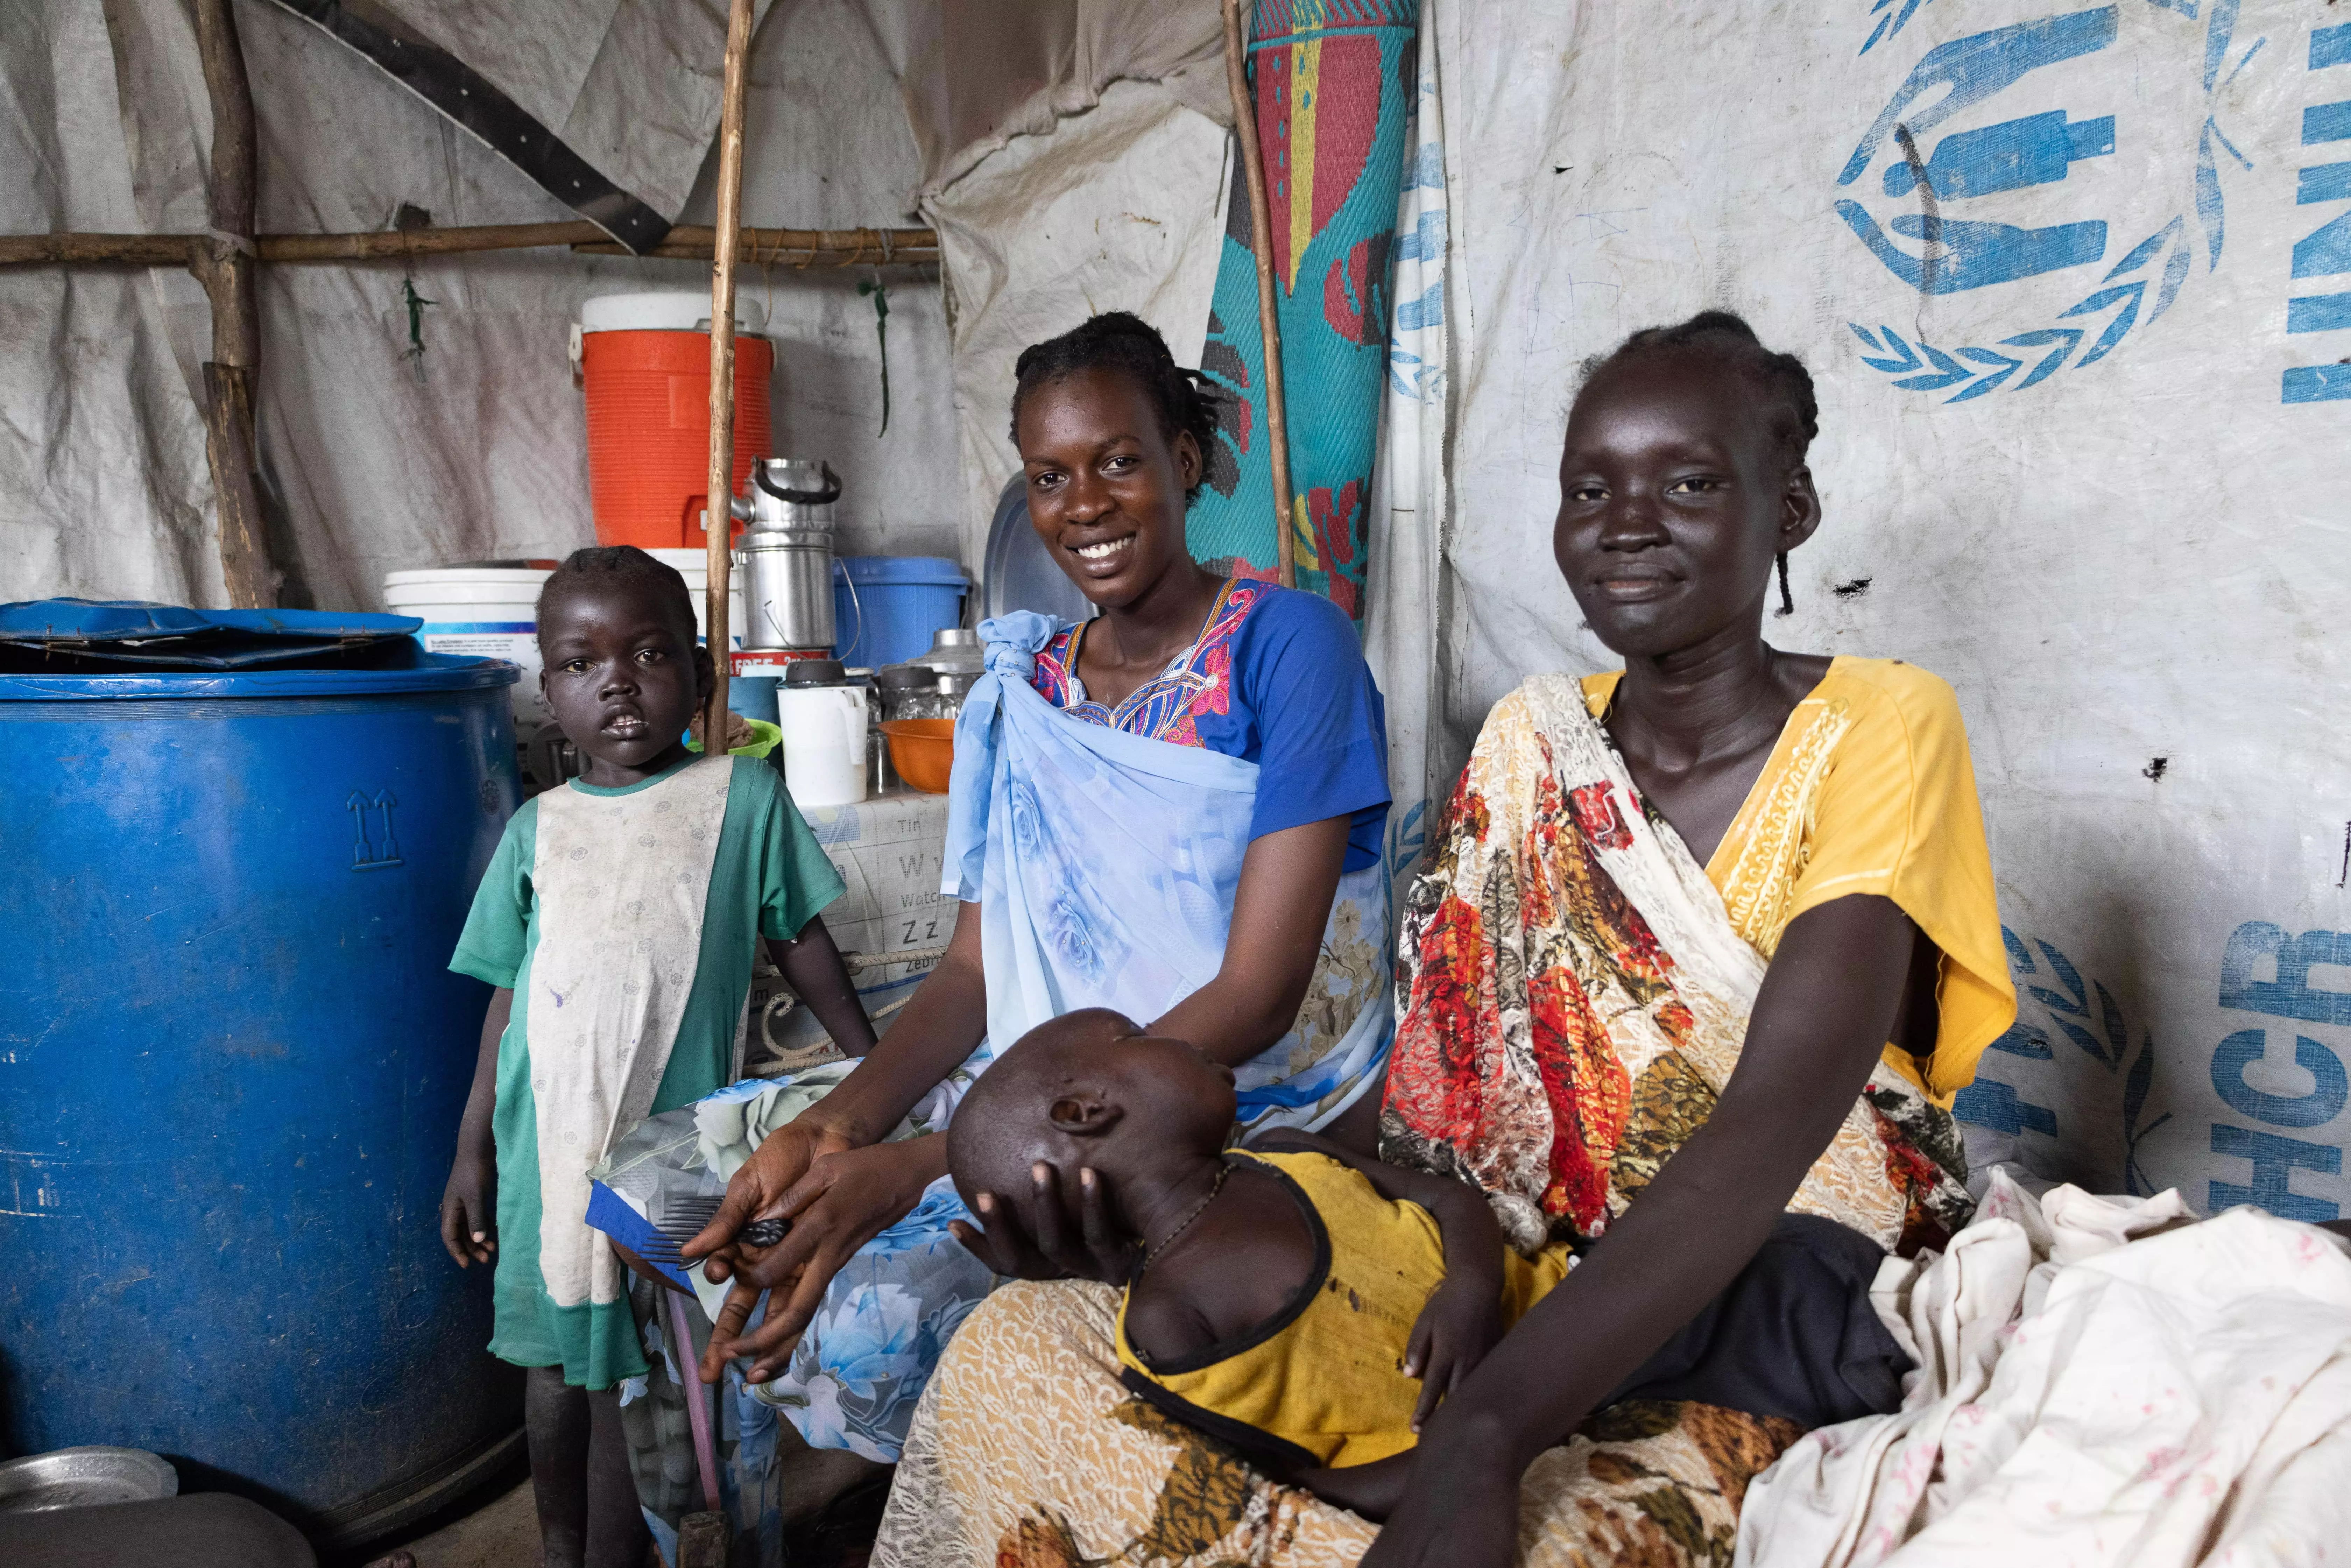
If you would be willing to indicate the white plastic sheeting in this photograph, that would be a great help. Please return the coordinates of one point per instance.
(103, 485)
(1119, 209)
(102, 475)
(633, 86)
(2128, 557)
(978, 76)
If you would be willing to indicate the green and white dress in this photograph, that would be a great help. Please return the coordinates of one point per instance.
(625, 921)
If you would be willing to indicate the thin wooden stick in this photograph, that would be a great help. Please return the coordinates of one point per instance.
(718, 521)
(82, 249)
(1277, 419)
(692, 242)
(223, 262)
(798, 247)
(406, 243)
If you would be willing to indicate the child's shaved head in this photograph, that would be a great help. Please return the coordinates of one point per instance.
(1088, 1090)
(1002, 1128)
(607, 568)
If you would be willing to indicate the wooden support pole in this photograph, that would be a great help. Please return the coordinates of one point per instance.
(223, 262)
(1277, 418)
(689, 242)
(90, 249)
(718, 521)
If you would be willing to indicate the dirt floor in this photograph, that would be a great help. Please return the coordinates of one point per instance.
(502, 1533)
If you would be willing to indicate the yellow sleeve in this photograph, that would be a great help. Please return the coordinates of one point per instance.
(1898, 816)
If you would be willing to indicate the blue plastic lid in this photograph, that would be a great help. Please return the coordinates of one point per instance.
(136, 619)
(92, 637)
(399, 666)
(82, 650)
(935, 571)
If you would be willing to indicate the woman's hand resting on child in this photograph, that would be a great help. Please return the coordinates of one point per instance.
(1094, 1246)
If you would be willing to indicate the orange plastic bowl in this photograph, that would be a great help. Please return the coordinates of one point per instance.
(923, 751)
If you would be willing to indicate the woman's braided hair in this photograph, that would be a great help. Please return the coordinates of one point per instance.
(1121, 341)
(1791, 414)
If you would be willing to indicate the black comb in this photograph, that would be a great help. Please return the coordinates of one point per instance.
(686, 1218)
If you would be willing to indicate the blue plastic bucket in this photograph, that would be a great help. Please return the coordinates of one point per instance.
(888, 606)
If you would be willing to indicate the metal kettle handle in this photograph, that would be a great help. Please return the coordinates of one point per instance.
(830, 491)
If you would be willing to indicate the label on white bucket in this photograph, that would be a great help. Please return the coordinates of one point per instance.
(514, 640)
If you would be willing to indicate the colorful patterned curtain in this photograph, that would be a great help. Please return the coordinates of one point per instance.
(1334, 82)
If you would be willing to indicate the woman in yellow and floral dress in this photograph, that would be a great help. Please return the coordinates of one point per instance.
(1699, 957)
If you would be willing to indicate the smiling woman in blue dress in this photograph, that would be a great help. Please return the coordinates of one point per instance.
(1175, 810)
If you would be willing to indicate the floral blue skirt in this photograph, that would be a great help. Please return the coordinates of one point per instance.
(862, 1364)
(865, 1356)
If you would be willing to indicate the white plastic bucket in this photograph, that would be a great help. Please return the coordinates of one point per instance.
(824, 744)
(489, 612)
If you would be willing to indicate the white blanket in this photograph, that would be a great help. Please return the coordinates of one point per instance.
(2100, 1381)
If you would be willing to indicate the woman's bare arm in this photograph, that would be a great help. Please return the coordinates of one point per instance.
(1288, 880)
(1819, 1024)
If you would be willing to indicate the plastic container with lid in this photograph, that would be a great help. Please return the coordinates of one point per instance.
(484, 611)
(824, 717)
(886, 608)
(283, 813)
(643, 360)
(908, 691)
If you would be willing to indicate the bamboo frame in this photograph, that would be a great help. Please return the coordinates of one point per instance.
(223, 262)
(719, 520)
(692, 242)
(1277, 415)
(225, 259)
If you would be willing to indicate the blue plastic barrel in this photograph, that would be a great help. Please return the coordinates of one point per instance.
(886, 607)
(232, 1061)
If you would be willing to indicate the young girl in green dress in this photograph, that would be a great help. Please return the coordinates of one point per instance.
(618, 920)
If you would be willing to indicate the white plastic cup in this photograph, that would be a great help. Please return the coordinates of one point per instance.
(824, 744)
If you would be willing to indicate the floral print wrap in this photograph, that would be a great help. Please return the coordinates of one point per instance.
(1572, 992)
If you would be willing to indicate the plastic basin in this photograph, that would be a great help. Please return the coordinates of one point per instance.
(923, 751)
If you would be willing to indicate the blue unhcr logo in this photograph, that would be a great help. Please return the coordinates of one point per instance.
(1962, 209)
(2324, 251)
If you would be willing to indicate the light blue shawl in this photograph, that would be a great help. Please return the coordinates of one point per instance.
(1105, 865)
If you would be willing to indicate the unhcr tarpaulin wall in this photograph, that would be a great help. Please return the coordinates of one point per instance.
(2073, 283)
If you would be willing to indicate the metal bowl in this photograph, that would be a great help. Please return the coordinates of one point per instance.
(78, 1477)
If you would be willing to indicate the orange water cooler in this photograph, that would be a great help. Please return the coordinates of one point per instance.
(644, 361)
